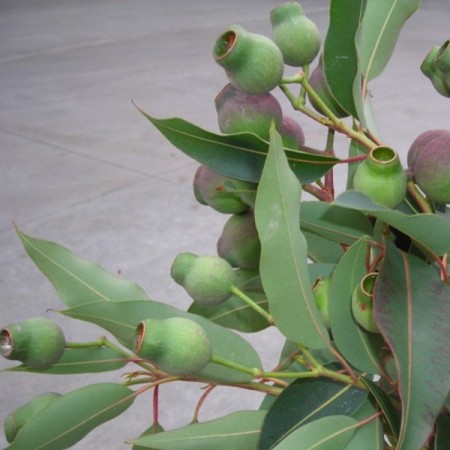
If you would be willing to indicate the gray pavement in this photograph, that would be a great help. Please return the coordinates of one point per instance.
(80, 166)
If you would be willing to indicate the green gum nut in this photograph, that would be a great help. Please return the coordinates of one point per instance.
(16, 420)
(38, 342)
(252, 62)
(296, 35)
(207, 279)
(321, 292)
(292, 133)
(362, 303)
(436, 67)
(238, 112)
(239, 242)
(421, 142)
(381, 177)
(319, 84)
(431, 169)
(224, 194)
(177, 345)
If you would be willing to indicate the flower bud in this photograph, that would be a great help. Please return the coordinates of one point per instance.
(178, 346)
(17, 419)
(38, 342)
(421, 142)
(239, 242)
(207, 279)
(381, 177)
(291, 133)
(432, 169)
(238, 112)
(253, 62)
(436, 66)
(362, 303)
(224, 194)
(296, 35)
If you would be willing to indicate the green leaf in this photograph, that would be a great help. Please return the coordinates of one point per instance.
(322, 250)
(82, 360)
(412, 310)
(417, 226)
(237, 431)
(122, 318)
(239, 155)
(385, 404)
(333, 223)
(283, 264)
(304, 401)
(327, 433)
(149, 431)
(339, 53)
(234, 313)
(369, 436)
(76, 280)
(359, 347)
(379, 31)
(72, 416)
(355, 149)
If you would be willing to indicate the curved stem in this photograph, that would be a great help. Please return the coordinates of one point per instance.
(246, 299)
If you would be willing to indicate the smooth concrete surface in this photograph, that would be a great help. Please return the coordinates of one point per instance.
(80, 166)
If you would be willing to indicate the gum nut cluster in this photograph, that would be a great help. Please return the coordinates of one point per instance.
(319, 84)
(37, 342)
(253, 62)
(362, 303)
(295, 34)
(207, 279)
(16, 420)
(239, 242)
(291, 133)
(381, 177)
(224, 194)
(177, 345)
(429, 159)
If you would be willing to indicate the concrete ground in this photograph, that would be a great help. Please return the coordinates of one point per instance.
(80, 166)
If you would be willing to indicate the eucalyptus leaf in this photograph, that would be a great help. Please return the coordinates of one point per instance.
(442, 438)
(327, 433)
(412, 310)
(149, 431)
(237, 431)
(76, 280)
(240, 155)
(81, 360)
(72, 416)
(379, 31)
(322, 250)
(122, 318)
(334, 224)
(304, 401)
(359, 347)
(339, 53)
(416, 226)
(283, 263)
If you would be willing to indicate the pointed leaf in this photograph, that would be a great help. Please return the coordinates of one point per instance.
(304, 401)
(70, 417)
(415, 226)
(239, 155)
(82, 360)
(322, 250)
(283, 264)
(339, 53)
(149, 431)
(76, 280)
(327, 433)
(360, 348)
(122, 318)
(238, 431)
(333, 223)
(379, 31)
(412, 310)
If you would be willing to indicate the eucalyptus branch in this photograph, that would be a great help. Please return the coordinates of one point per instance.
(250, 302)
